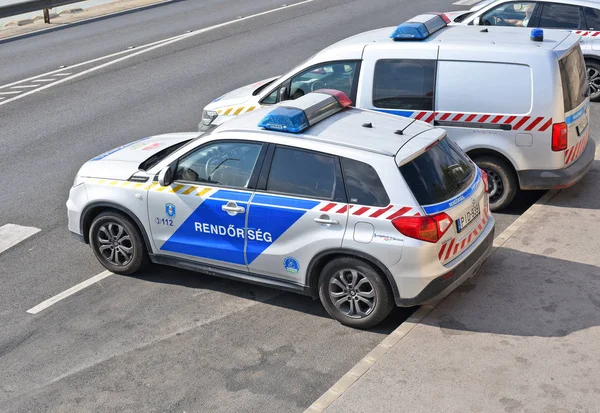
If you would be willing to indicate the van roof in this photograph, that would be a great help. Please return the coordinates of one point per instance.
(452, 36)
(344, 129)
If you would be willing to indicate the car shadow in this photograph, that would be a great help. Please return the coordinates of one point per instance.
(173, 276)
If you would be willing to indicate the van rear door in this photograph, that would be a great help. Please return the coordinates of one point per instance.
(576, 106)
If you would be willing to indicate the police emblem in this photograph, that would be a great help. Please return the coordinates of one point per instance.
(170, 210)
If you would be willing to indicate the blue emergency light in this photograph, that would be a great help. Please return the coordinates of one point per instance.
(298, 115)
(537, 35)
(420, 27)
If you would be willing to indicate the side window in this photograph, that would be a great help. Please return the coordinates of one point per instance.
(339, 76)
(363, 184)
(404, 84)
(560, 16)
(223, 164)
(510, 14)
(302, 173)
(592, 18)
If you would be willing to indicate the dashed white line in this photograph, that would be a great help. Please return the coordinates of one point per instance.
(10, 93)
(67, 293)
(24, 86)
(44, 80)
(62, 74)
(11, 235)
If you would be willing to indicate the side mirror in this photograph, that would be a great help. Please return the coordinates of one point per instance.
(165, 176)
(283, 95)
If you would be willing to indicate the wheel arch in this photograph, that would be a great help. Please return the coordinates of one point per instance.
(321, 259)
(92, 210)
(479, 152)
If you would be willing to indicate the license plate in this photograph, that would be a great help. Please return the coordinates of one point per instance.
(468, 217)
(582, 125)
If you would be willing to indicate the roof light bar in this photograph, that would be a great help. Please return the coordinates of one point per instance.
(420, 27)
(298, 115)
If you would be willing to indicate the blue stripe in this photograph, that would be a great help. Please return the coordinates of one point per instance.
(232, 195)
(579, 113)
(405, 113)
(432, 209)
(284, 201)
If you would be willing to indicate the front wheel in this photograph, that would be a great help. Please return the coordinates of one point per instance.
(503, 182)
(593, 74)
(117, 243)
(354, 293)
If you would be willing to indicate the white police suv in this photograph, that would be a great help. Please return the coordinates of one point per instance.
(359, 208)
(514, 100)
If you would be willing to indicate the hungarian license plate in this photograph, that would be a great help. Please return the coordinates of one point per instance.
(469, 216)
(582, 125)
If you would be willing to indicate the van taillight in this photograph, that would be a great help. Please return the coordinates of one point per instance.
(428, 228)
(486, 185)
(560, 134)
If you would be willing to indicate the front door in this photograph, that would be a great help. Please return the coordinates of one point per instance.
(299, 210)
(202, 214)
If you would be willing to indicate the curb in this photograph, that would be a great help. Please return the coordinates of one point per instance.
(363, 366)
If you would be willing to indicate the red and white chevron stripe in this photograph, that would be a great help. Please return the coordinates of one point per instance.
(574, 152)
(523, 123)
(584, 33)
(390, 212)
(452, 248)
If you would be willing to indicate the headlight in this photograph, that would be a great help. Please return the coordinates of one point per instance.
(78, 181)
(208, 116)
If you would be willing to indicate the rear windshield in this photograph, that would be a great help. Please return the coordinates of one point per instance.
(574, 79)
(439, 174)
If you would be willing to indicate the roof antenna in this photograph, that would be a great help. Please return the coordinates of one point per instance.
(401, 131)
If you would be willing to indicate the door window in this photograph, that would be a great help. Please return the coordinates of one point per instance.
(340, 76)
(560, 16)
(227, 164)
(510, 14)
(592, 18)
(404, 84)
(363, 184)
(302, 173)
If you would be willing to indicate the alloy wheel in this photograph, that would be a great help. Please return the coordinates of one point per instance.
(114, 244)
(352, 293)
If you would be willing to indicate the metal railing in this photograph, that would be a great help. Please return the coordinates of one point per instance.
(33, 5)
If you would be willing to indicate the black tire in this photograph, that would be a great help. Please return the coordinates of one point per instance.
(106, 227)
(502, 179)
(593, 73)
(382, 303)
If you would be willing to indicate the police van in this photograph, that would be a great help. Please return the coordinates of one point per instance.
(514, 100)
(361, 209)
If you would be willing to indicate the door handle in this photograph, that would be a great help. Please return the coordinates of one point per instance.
(326, 221)
(233, 208)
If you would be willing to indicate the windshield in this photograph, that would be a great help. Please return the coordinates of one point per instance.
(159, 156)
(439, 174)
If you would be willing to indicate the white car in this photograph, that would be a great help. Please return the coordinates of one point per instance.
(360, 209)
(580, 16)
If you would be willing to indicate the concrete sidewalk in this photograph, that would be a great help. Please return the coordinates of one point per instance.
(521, 336)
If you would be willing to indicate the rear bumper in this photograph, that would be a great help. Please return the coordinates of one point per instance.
(559, 178)
(462, 272)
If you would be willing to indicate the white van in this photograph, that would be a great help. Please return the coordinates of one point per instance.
(515, 100)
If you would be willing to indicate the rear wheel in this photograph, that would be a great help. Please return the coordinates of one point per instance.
(593, 74)
(354, 293)
(503, 182)
(117, 243)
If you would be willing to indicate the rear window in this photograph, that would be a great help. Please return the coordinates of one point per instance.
(439, 174)
(363, 184)
(592, 18)
(574, 79)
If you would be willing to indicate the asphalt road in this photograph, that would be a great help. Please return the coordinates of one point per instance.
(166, 340)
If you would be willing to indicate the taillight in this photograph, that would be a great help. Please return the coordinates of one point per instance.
(428, 228)
(560, 134)
(484, 177)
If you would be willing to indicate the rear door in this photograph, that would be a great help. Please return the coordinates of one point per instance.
(575, 87)
(444, 180)
(402, 83)
(299, 210)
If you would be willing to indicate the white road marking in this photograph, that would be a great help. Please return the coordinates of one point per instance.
(23, 86)
(11, 235)
(44, 80)
(67, 293)
(62, 74)
(10, 93)
(147, 48)
(466, 2)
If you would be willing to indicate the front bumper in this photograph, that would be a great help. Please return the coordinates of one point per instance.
(559, 178)
(462, 272)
